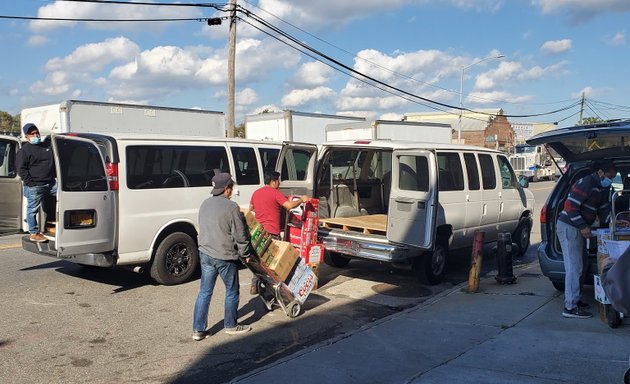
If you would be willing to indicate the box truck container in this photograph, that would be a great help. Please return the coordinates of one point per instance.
(292, 126)
(82, 116)
(390, 130)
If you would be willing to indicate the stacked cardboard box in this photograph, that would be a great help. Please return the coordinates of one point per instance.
(281, 260)
(303, 235)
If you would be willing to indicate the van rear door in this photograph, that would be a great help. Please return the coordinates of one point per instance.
(413, 207)
(10, 186)
(296, 164)
(85, 204)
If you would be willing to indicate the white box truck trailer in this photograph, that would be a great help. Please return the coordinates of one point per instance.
(295, 126)
(390, 130)
(82, 116)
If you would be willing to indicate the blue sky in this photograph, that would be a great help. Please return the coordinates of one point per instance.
(554, 50)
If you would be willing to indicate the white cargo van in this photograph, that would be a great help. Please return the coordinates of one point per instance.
(407, 203)
(132, 200)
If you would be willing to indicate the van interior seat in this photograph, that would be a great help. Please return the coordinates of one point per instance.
(342, 202)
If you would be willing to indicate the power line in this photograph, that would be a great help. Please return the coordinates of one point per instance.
(211, 5)
(381, 83)
(99, 20)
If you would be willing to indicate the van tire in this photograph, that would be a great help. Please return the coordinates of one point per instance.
(430, 268)
(558, 285)
(335, 259)
(176, 259)
(522, 236)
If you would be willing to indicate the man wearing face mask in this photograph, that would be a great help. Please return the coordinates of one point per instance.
(36, 168)
(588, 199)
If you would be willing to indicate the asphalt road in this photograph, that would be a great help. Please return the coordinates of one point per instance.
(62, 322)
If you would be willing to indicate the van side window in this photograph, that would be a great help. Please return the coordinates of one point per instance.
(508, 178)
(451, 177)
(488, 175)
(246, 165)
(472, 171)
(162, 166)
(7, 159)
(269, 158)
(413, 173)
(81, 166)
(295, 165)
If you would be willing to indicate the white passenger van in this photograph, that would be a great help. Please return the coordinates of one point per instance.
(407, 203)
(132, 200)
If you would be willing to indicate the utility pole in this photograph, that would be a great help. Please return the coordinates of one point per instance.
(231, 62)
(581, 109)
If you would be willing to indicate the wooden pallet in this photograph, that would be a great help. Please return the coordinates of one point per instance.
(368, 224)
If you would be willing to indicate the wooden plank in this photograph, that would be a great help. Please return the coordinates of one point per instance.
(367, 224)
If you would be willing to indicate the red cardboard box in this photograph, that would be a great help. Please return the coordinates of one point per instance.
(313, 254)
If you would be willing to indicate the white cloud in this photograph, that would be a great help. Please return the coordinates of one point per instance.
(56, 83)
(391, 116)
(73, 10)
(618, 38)
(494, 97)
(582, 10)
(324, 13)
(556, 46)
(266, 107)
(299, 97)
(96, 56)
(37, 40)
(312, 74)
(246, 97)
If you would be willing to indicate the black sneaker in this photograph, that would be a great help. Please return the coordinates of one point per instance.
(238, 330)
(581, 304)
(576, 313)
(200, 335)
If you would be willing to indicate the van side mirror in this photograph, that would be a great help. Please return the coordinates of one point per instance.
(523, 181)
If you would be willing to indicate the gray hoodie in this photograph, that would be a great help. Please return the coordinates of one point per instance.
(223, 233)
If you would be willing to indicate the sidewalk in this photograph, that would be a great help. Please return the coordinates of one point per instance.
(503, 334)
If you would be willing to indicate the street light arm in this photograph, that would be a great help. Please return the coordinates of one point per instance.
(461, 91)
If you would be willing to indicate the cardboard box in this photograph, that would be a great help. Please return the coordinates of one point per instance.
(302, 282)
(313, 254)
(616, 248)
(602, 251)
(280, 258)
(250, 219)
(600, 295)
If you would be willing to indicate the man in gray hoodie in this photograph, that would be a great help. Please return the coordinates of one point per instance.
(223, 239)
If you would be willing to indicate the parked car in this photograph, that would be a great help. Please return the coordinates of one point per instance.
(581, 147)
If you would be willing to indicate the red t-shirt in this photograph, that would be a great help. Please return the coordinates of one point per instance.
(267, 204)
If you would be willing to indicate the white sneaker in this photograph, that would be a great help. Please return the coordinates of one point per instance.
(238, 330)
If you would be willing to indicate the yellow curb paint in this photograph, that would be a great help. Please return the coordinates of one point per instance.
(10, 246)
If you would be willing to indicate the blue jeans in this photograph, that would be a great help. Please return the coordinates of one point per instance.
(210, 269)
(572, 244)
(34, 198)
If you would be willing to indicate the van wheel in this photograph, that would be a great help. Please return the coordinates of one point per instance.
(558, 285)
(522, 236)
(176, 259)
(431, 267)
(335, 259)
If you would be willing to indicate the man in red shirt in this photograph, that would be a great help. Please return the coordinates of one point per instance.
(267, 202)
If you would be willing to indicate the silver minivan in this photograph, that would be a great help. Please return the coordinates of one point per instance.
(131, 200)
(407, 203)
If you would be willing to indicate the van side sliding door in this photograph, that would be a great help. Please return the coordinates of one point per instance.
(86, 218)
(10, 186)
(412, 211)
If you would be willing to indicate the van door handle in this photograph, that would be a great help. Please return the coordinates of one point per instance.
(404, 200)
(485, 209)
(467, 197)
(237, 192)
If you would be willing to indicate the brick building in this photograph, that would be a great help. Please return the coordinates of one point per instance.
(487, 128)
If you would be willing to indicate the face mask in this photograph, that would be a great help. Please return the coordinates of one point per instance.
(606, 182)
(35, 140)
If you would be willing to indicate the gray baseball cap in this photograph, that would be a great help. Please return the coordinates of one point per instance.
(220, 182)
